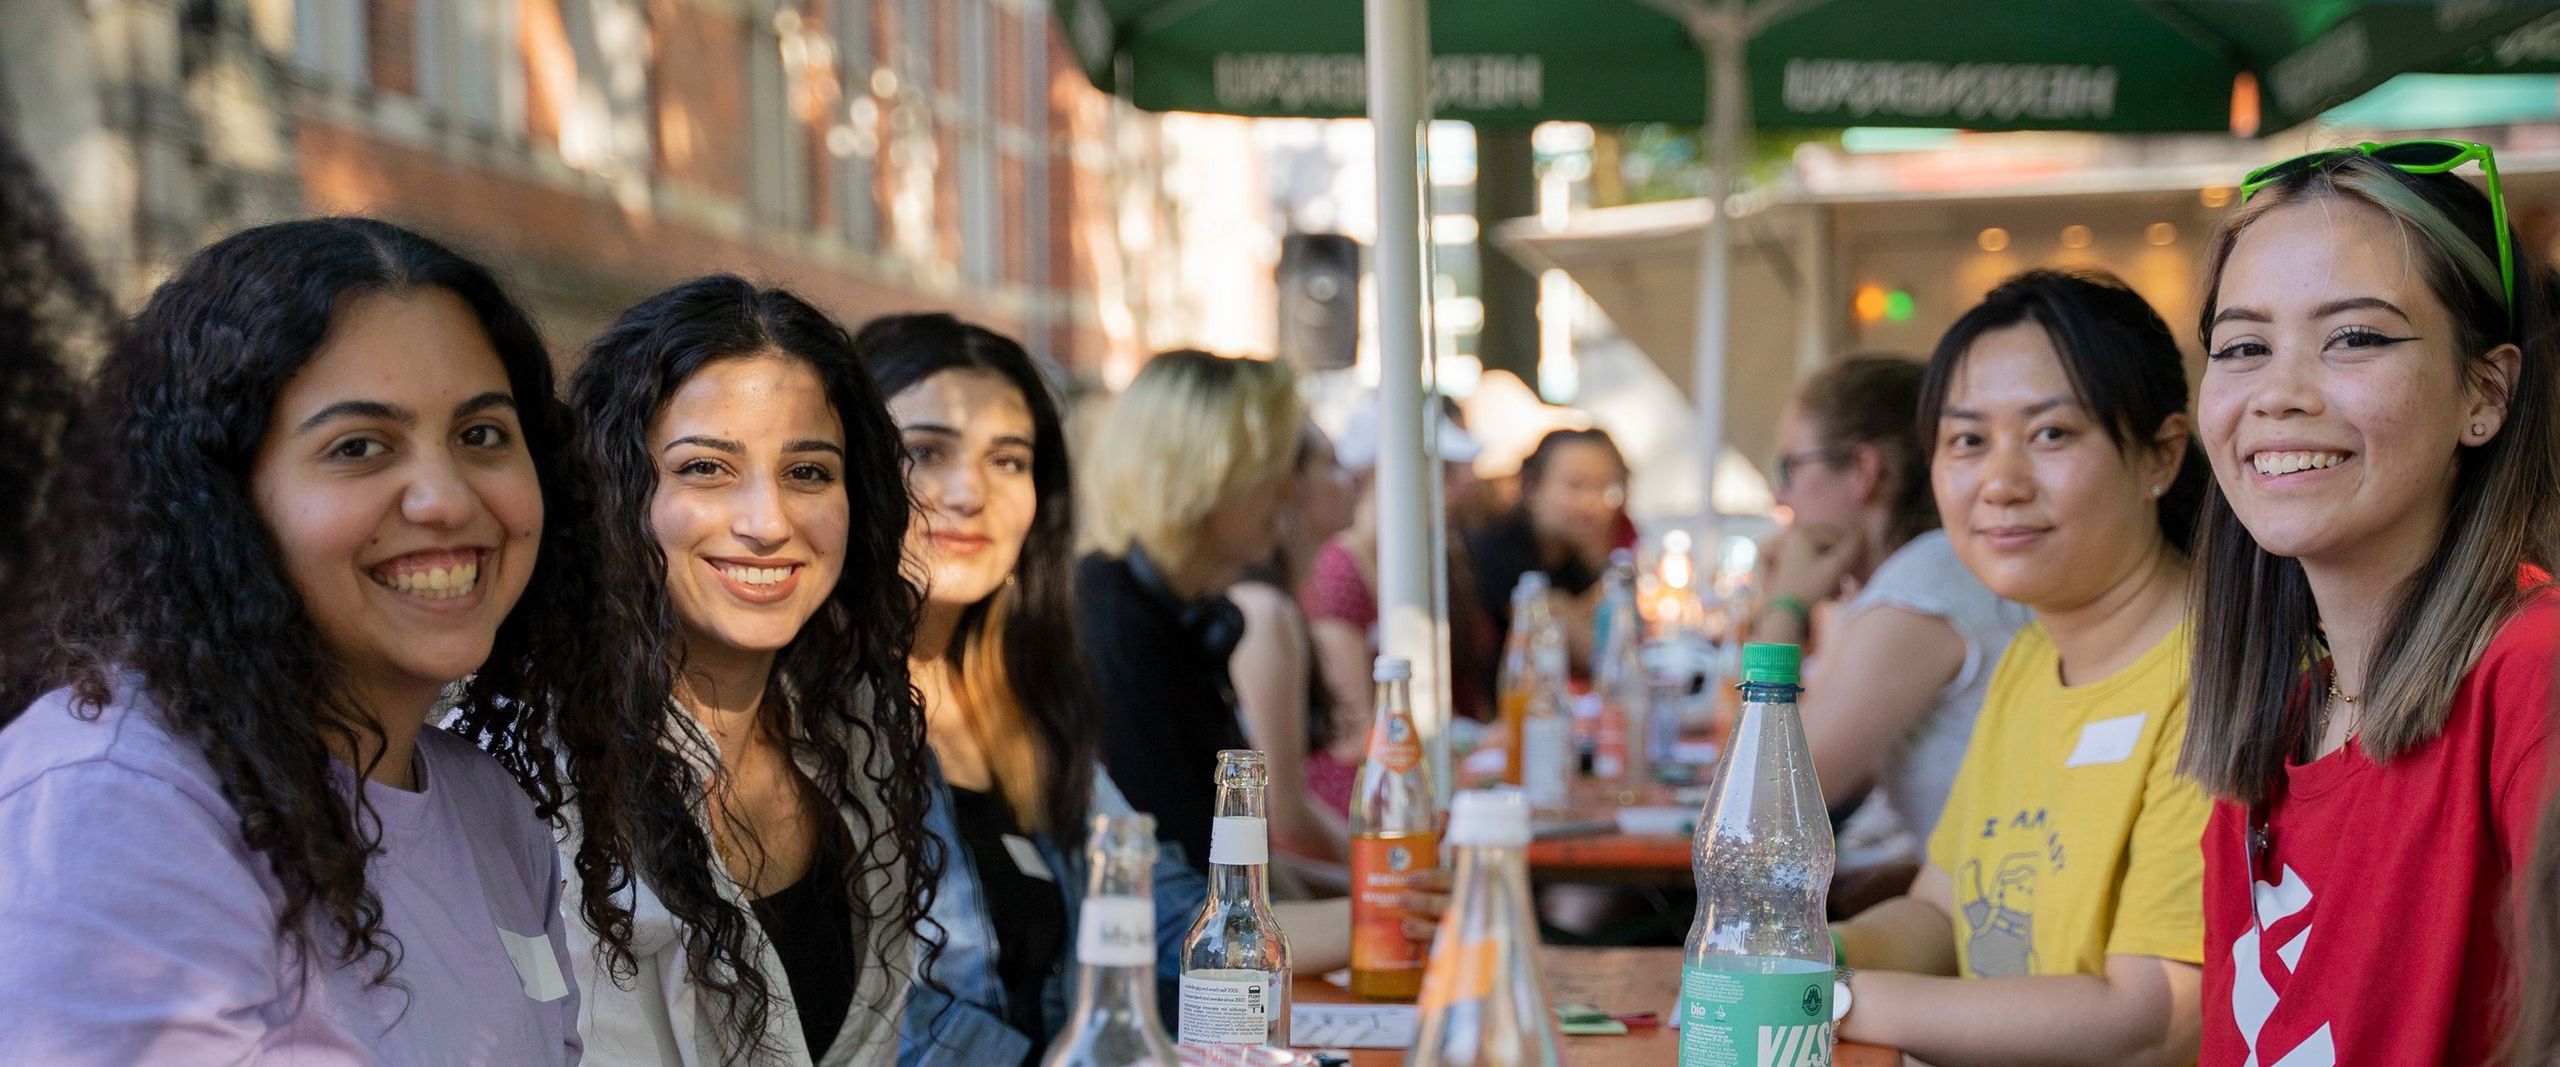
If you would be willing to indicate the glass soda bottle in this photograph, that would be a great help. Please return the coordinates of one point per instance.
(1756, 985)
(1626, 690)
(1114, 1023)
(1520, 682)
(1395, 833)
(1482, 1004)
(1235, 960)
(1548, 760)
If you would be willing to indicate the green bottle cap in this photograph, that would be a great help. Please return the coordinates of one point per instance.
(1771, 665)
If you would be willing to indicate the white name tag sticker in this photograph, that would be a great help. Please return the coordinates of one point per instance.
(2107, 741)
(536, 967)
(1027, 857)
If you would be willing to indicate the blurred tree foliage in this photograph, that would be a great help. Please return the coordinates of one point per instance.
(1659, 161)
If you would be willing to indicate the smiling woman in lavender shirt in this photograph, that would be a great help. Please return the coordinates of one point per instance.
(323, 458)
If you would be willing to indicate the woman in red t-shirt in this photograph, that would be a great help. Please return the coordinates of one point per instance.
(2375, 628)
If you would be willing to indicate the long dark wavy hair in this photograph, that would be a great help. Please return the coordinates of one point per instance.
(1007, 646)
(54, 315)
(164, 575)
(841, 684)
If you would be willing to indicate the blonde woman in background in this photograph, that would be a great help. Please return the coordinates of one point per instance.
(1190, 474)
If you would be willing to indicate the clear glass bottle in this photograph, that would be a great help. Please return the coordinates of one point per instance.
(1395, 832)
(1756, 985)
(1114, 1021)
(1548, 760)
(1519, 683)
(1626, 689)
(1482, 1003)
(1235, 960)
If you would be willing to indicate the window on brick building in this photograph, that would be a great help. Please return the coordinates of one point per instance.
(777, 158)
(467, 69)
(604, 117)
(329, 40)
(856, 141)
(981, 209)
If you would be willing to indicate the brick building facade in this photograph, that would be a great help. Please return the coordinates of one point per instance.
(874, 155)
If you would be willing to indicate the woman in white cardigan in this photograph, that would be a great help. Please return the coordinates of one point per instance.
(750, 474)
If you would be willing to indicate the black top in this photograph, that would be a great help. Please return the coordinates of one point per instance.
(1160, 668)
(1506, 549)
(1029, 915)
(810, 923)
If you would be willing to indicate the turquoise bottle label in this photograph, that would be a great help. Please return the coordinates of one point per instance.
(1755, 1013)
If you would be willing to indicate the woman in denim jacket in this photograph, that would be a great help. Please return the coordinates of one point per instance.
(1008, 710)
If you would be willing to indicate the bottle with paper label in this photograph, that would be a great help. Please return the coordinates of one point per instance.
(1756, 986)
(1482, 1004)
(1395, 834)
(1235, 960)
(1114, 1021)
(1618, 673)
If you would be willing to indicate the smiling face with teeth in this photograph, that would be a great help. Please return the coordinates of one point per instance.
(2334, 404)
(395, 484)
(750, 507)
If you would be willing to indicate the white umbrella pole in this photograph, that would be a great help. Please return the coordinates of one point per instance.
(1722, 35)
(1399, 62)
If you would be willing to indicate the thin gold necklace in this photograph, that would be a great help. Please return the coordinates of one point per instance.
(2320, 734)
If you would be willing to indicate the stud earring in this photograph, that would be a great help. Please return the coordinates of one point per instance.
(2155, 489)
(2479, 430)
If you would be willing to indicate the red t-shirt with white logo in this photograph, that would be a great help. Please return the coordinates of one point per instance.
(2382, 898)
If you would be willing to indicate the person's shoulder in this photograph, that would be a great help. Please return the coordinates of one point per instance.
(2518, 660)
(2029, 658)
(60, 730)
(1100, 570)
(2515, 668)
(482, 790)
(2531, 631)
(1928, 554)
(1261, 601)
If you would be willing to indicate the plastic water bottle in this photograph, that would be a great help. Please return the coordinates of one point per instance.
(1755, 990)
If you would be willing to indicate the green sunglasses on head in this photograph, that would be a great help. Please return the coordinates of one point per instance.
(2413, 157)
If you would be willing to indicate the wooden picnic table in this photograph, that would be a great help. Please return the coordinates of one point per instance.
(1612, 856)
(1615, 980)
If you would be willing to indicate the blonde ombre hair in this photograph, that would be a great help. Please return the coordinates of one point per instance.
(2258, 651)
(1193, 431)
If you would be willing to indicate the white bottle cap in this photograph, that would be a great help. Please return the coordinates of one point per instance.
(1392, 669)
(1498, 817)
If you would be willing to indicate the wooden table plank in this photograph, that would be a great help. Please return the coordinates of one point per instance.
(1612, 856)
(1616, 980)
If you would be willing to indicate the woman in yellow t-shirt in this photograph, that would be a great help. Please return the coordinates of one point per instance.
(2058, 918)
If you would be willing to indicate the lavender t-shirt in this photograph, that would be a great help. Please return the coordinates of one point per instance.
(137, 927)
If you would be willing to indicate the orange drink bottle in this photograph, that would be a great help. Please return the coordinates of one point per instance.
(1395, 833)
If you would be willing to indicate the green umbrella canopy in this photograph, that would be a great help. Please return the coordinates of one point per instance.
(2104, 65)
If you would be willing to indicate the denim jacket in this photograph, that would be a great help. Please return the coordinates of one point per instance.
(963, 1024)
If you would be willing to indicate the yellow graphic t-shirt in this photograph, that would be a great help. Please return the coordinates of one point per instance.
(2070, 835)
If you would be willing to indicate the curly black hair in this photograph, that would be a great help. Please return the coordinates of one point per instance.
(842, 682)
(164, 573)
(54, 315)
